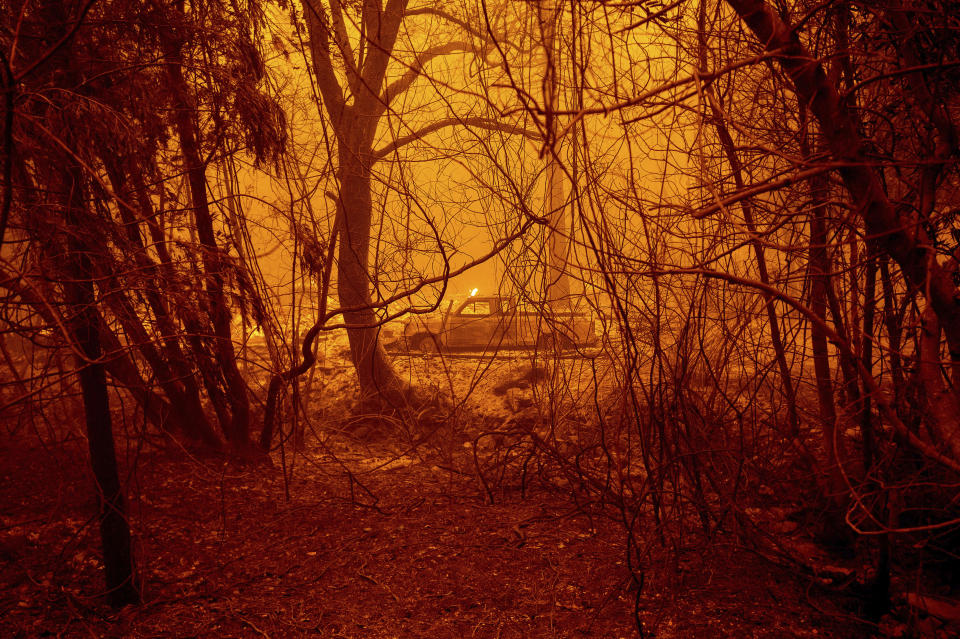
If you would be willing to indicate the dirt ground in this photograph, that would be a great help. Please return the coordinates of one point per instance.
(403, 549)
(367, 530)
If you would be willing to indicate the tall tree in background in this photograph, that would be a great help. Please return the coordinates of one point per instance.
(354, 110)
(352, 47)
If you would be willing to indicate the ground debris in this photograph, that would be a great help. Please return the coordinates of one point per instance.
(372, 542)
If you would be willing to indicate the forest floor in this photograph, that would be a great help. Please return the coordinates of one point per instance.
(402, 550)
(361, 534)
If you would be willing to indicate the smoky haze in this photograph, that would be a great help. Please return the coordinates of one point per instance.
(534, 319)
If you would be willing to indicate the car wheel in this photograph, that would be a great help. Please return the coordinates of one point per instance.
(554, 342)
(547, 342)
(424, 343)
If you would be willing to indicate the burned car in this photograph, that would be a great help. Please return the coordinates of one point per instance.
(493, 323)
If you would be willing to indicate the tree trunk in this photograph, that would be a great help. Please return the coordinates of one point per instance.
(378, 381)
(939, 402)
(894, 332)
(866, 357)
(819, 274)
(355, 126)
(84, 325)
(114, 531)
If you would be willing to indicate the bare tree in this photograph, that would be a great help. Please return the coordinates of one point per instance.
(352, 50)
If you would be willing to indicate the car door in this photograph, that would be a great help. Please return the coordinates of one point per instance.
(529, 325)
(474, 324)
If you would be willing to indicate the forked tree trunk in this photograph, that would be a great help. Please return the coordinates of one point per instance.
(355, 126)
